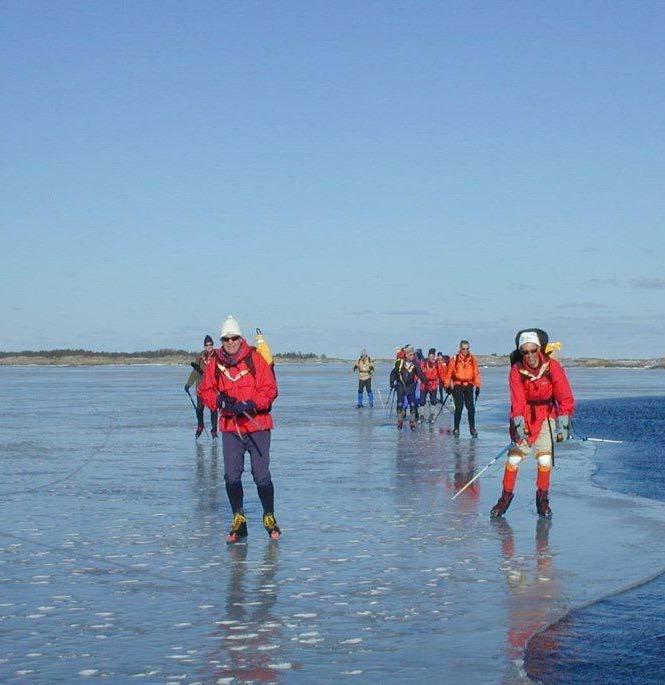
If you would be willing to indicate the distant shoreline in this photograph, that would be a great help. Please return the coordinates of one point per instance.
(179, 357)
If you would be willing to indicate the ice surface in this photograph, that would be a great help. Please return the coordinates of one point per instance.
(113, 563)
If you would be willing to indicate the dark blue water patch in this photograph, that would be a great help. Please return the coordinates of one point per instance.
(620, 639)
(636, 467)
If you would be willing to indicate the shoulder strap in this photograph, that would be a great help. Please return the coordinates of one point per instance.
(249, 360)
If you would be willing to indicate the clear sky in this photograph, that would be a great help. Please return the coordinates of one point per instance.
(342, 174)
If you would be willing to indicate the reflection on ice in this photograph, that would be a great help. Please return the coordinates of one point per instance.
(121, 571)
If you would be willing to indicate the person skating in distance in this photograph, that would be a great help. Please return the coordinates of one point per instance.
(365, 368)
(403, 379)
(463, 381)
(195, 379)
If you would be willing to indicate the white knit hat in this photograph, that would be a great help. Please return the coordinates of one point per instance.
(528, 337)
(230, 327)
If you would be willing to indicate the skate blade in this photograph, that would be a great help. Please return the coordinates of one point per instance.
(235, 539)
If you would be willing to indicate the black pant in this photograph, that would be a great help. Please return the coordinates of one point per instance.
(463, 395)
(365, 385)
(432, 397)
(199, 415)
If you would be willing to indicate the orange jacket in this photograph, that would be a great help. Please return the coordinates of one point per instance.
(463, 371)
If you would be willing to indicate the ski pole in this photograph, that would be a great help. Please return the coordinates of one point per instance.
(614, 442)
(383, 404)
(443, 404)
(193, 405)
(253, 420)
(480, 473)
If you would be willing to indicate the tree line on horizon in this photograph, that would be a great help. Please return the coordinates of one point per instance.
(147, 354)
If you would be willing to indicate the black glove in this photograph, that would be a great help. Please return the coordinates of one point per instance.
(196, 367)
(226, 402)
(241, 408)
(477, 392)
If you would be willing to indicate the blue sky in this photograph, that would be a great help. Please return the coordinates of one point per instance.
(341, 174)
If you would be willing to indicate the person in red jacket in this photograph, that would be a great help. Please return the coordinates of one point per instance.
(247, 388)
(442, 361)
(463, 375)
(542, 403)
(430, 386)
(196, 379)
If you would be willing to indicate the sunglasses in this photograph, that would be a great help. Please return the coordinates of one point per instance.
(465, 349)
(231, 338)
(526, 353)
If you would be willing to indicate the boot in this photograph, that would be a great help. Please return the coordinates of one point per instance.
(413, 420)
(543, 504)
(474, 433)
(238, 528)
(400, 418)
(500, 508)
(213, 434)
(199, 430)
(370, 397)
(360, 400)
(270, 524)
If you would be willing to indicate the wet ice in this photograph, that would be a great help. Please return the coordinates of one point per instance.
(112, 560)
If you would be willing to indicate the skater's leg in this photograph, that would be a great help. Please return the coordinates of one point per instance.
(458, 398)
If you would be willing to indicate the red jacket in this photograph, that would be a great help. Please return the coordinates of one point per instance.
(207, 389)
(236, 378)
(431, 371)
(442, 368)
(537, 394)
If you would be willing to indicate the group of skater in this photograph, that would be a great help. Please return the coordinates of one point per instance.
(542, 401)
(237, 383)
(419, 383)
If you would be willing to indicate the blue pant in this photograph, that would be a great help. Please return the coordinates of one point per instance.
(234, 448)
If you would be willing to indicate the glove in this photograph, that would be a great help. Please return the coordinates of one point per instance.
(562, 428)
(196, 367)
(242, 408)
(520, 429)
(477, 392)
(226, 402)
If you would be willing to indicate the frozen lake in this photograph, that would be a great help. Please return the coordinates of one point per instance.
(113, 562)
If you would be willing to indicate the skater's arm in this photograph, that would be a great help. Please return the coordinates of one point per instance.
(563, 393)
(517, 396)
